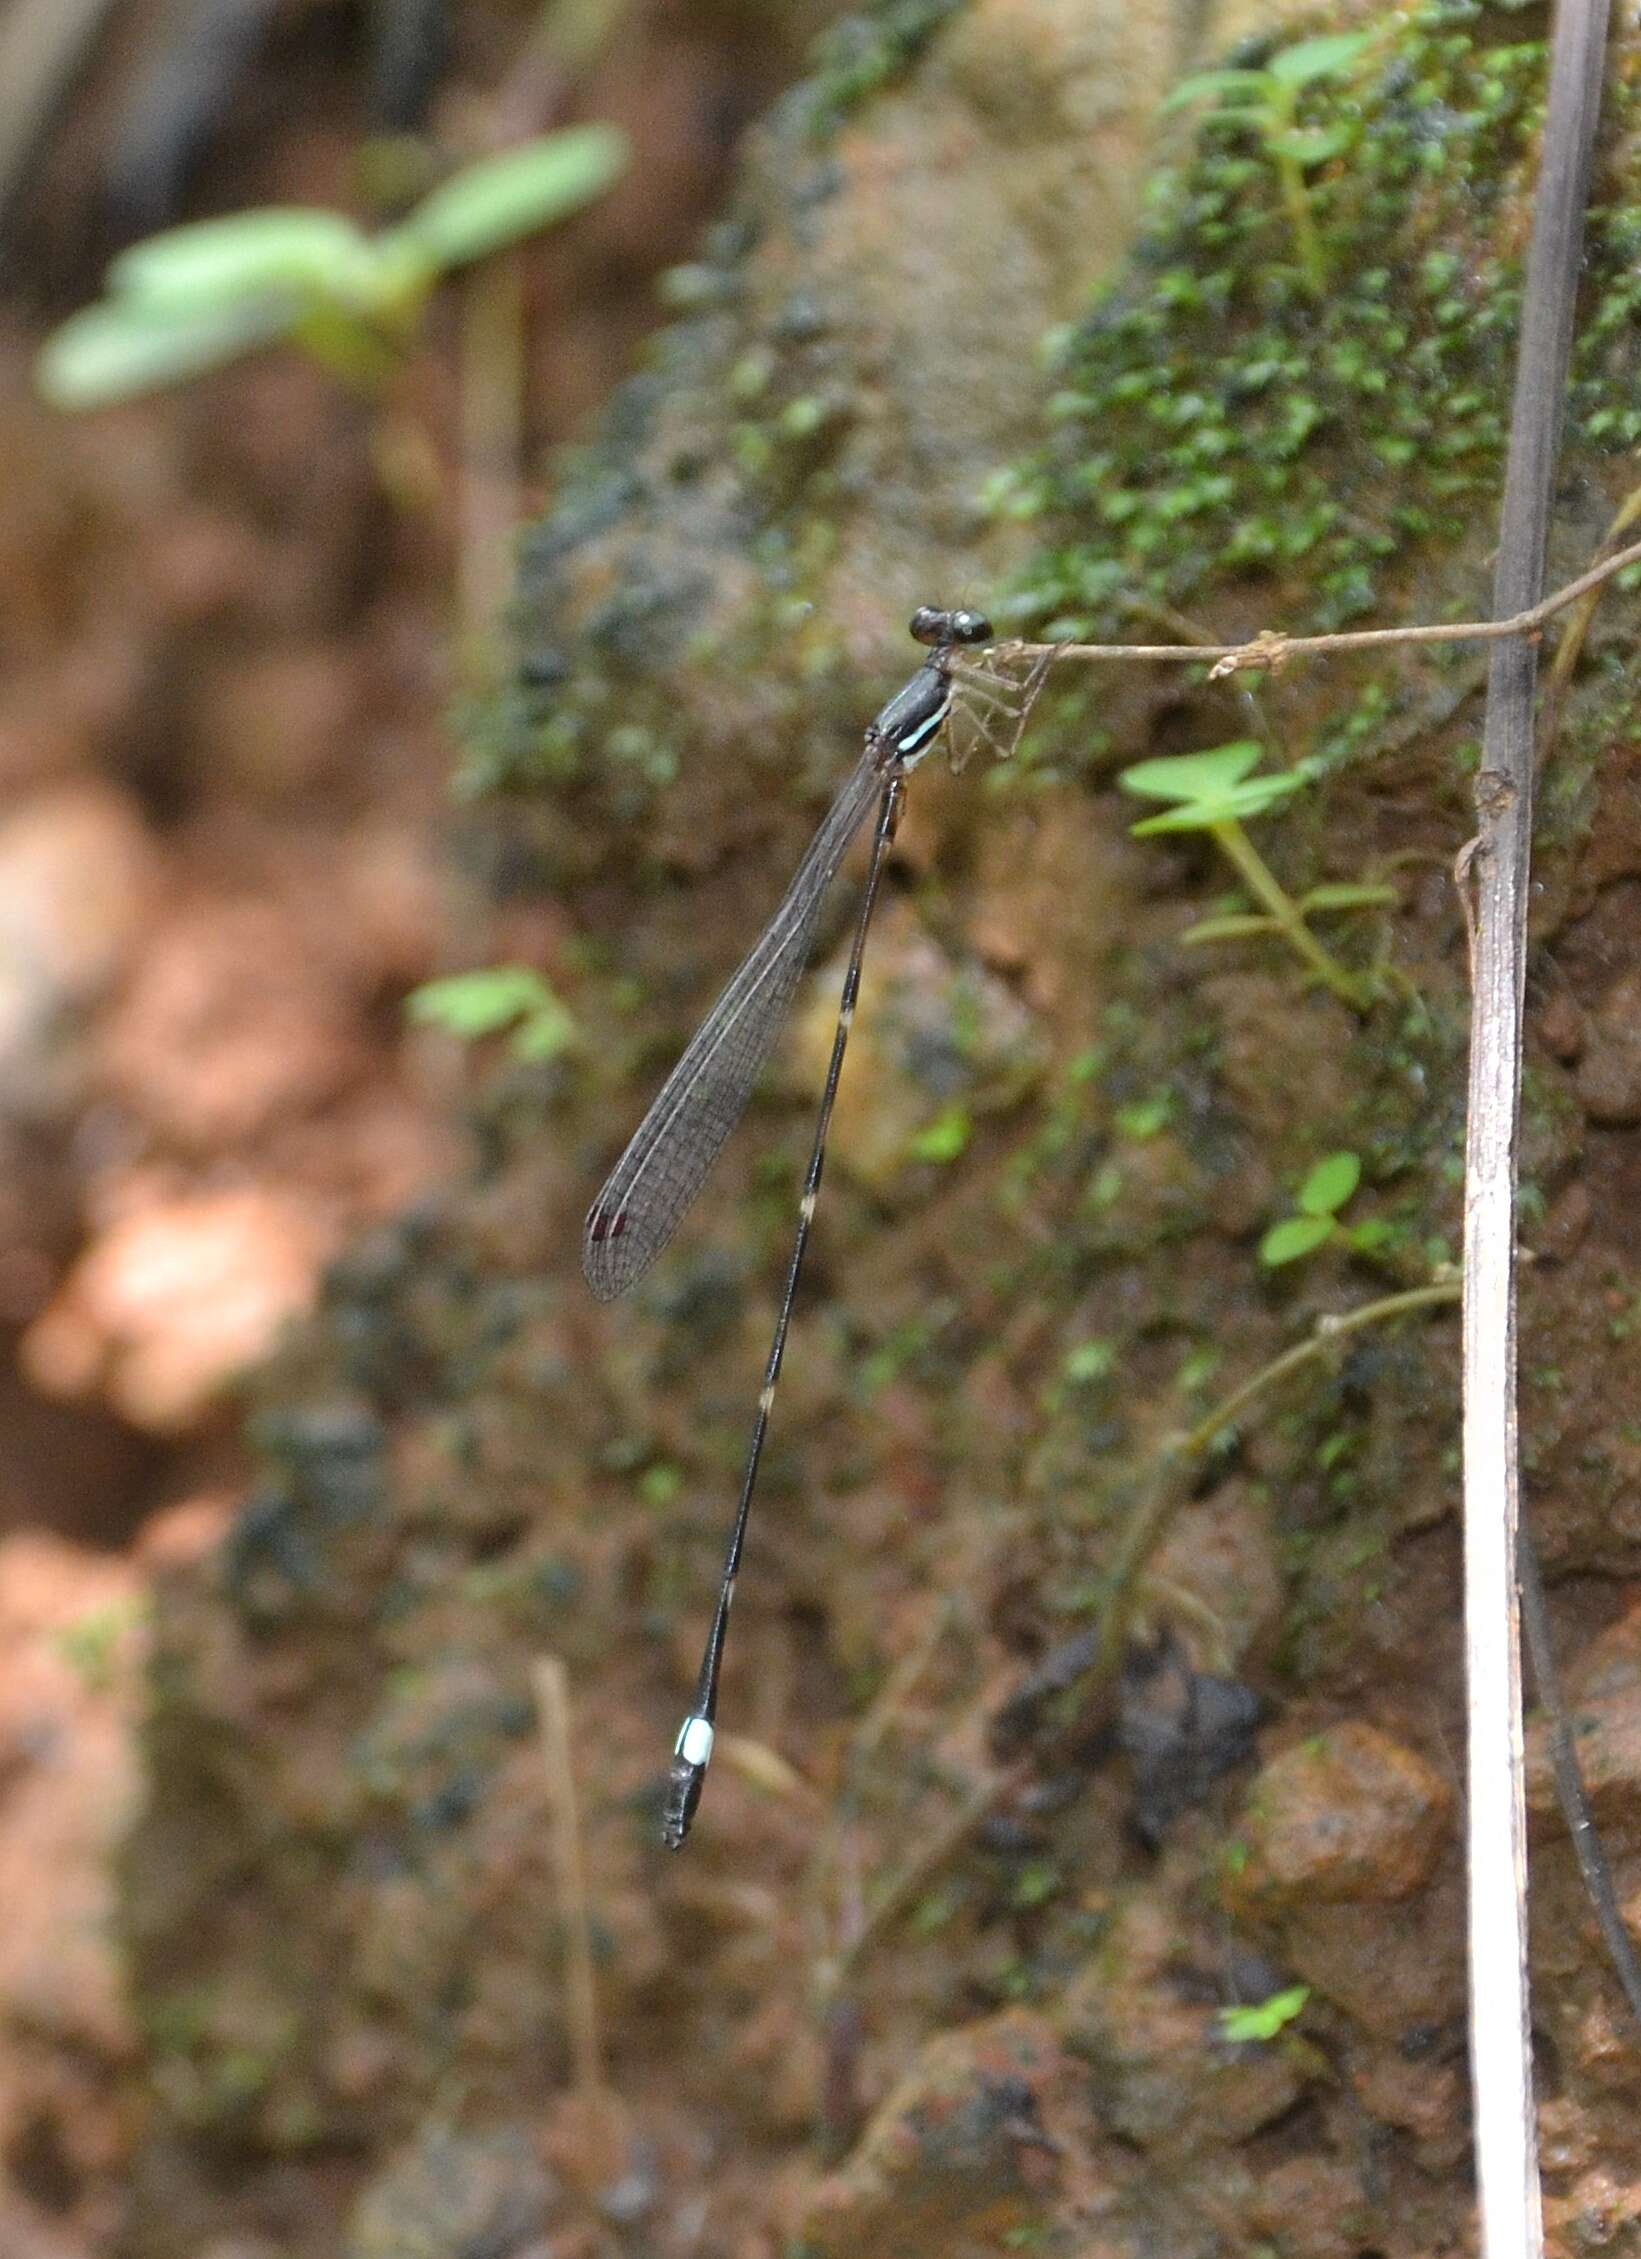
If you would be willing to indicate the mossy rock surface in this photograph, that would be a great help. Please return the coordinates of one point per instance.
(341, 1902)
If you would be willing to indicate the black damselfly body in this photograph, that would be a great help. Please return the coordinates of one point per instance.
(658, 1176)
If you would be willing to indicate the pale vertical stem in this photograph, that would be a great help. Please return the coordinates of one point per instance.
(552, 1690)
(1508, 2197)
(492, 427)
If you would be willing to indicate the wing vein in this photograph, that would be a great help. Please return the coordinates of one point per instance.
(666, 1162)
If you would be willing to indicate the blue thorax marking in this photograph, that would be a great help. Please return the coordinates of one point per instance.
(905, 728)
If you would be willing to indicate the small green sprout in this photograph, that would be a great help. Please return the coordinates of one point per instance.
(1090, 1361)
(493, 1000)
(1315, 1222)
(1263, 2019)
(660, 1484)
(1213, 792)
(194, 298)
(1266, 103)
(946, 1138)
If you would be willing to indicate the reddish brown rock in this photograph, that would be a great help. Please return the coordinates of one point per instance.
(70, 1642)
(176, 1300)
(235, 1020)
(1348, 1815)
(1603, 1691)
(957, 2156)
(1609, 1074)
(1161, 2071)
(1313, 2208)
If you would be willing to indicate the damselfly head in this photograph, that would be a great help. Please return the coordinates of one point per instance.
(930, 624)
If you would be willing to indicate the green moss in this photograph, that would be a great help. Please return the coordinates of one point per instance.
(1212, 423)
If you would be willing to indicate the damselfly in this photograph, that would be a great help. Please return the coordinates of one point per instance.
(658, 1176)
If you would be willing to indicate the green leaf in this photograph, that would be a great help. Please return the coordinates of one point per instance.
(1250, 798)
(545, 1033)
(471, 1005)
(122, 348)
(1200, 84)
(1262, 2020)
(1329, 1185)
(1328, 57)
(1188, 776)
(1371, 1234)
(1089, 1361)
(502, 199)
(1346, 898)
(945, 1138)
(1145, 1118)
(286, 248)
(1310, 145)
(1293, 1237)
(1234, 926)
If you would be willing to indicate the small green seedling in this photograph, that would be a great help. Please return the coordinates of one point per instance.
(1263, 2019)
(493, 1001)
(1213, 792)
(1266, 103)
(1315, 1221)
(945, 1138)
(197, 297)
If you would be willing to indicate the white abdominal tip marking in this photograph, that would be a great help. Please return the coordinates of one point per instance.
(695, 1739)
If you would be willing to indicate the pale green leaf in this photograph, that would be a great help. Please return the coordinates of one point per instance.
(1328, 57)
(1251, 798)
(495, 997)
(1187, 776)
(122, 348)
(1310, 145)
(502, 199)
(944, 1138)
(1201, 84)
(1330, 1184)
(285, 249)
(1293, 1237)
(1263, 2019)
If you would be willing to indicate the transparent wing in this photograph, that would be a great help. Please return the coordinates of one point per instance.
(652, 1186)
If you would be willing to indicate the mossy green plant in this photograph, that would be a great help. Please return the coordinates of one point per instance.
(1214, 791)
(1263, 2020)
(1315, 1220)
(511, 1000)
(1266, 103)
(1214, 418)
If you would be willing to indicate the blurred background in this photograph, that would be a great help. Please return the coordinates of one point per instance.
(234, 616)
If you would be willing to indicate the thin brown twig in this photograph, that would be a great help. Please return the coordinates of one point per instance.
(552, 1693)
(1272, 649)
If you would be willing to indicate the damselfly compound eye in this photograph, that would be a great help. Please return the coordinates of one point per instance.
(931, 623)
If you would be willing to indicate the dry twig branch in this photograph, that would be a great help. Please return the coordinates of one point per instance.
(1500, 2031)
(1272, 649)
(552, 1693)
